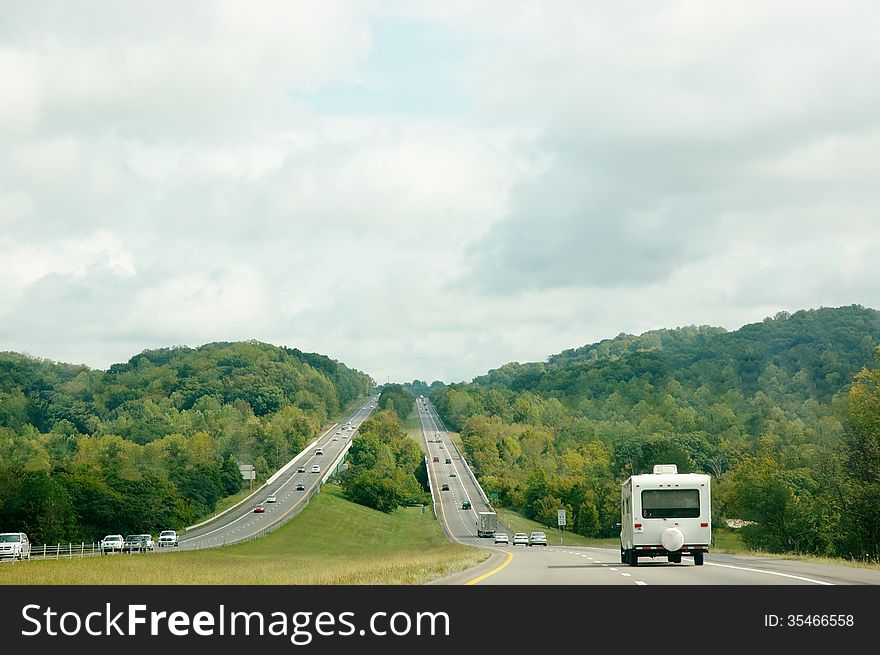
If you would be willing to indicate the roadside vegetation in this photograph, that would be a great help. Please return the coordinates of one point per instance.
(386, 467)
(154, 443)
(784, 414)
(333, 541)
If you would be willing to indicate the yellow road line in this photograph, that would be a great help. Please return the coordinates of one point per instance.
(443, 513)
(493, 571)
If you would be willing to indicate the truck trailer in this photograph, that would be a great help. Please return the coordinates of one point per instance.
(665, 514)
(487, 524)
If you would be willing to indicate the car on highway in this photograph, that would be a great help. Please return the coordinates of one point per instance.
(520, 539)
(452, 474)
(441, 446)
(537, 539)
(112, 543)
(318, 452)
(316, 468)
(259, 509)
(134, 543)
(335, 438)
(272, 499)
(449, 460)
(501, 538)
(436, 459)
(301, 469)
(15, 545)
(445, 487)
(168, 538)
(465, 504)
(300, 486)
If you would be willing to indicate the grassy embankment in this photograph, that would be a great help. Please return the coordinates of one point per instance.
(250, 487)
(332, 541)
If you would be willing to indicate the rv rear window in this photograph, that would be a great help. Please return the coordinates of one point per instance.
(670, 503)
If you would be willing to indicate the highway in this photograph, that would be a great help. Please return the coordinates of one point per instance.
(458, 524)
(243, 523)
(569, 565)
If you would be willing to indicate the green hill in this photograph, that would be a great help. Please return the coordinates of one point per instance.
(153, 442)
(771, 397)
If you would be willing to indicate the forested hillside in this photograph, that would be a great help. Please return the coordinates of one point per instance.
(154, 442)
(770, 410)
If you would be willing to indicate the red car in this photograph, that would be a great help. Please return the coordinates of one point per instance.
(259, 509)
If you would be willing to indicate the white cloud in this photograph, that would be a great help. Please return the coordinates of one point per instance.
(180, 176)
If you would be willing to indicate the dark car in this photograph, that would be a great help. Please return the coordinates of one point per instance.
(445, 487)
(466, 504)
(300, 487)
(436, 459)
(134, 543)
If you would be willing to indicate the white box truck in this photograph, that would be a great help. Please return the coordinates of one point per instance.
(487, 524)
(665, 514)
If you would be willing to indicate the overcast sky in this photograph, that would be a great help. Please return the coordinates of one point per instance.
(429, 190)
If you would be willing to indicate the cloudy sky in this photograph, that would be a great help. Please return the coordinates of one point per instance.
(429, 190)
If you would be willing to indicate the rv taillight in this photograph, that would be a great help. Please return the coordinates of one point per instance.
(637, 525)
(704, 525)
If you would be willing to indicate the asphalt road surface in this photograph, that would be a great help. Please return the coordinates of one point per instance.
(561, 565)
(243, 523)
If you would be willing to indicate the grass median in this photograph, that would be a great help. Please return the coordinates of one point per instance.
(333, 541)
(511, 522)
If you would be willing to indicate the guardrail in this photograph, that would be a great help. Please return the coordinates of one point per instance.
(467, 466)
(339, 459)
(288, 516)
(268, 481)
(269, 528)
(430, 486)
(75, 551)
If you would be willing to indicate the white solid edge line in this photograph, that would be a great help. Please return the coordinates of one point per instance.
(641, 582)
(783, 575)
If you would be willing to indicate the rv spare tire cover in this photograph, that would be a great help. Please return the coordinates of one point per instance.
(672, 539)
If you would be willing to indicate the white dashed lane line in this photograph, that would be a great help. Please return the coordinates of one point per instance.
(639, 582)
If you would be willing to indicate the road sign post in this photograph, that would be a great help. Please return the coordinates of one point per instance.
(560, 521)
(248, 472)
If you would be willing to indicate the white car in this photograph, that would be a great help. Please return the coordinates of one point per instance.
(520, 539)
(272, 499)
(112, 543)
(15, 545)
(168, 538)
(316, 468)
(537, 539)
(501, 538)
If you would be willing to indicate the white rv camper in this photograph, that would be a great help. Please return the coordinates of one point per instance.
(665, 514)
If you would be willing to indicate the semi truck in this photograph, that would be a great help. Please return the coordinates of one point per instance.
(487, 523)
(665, 514)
